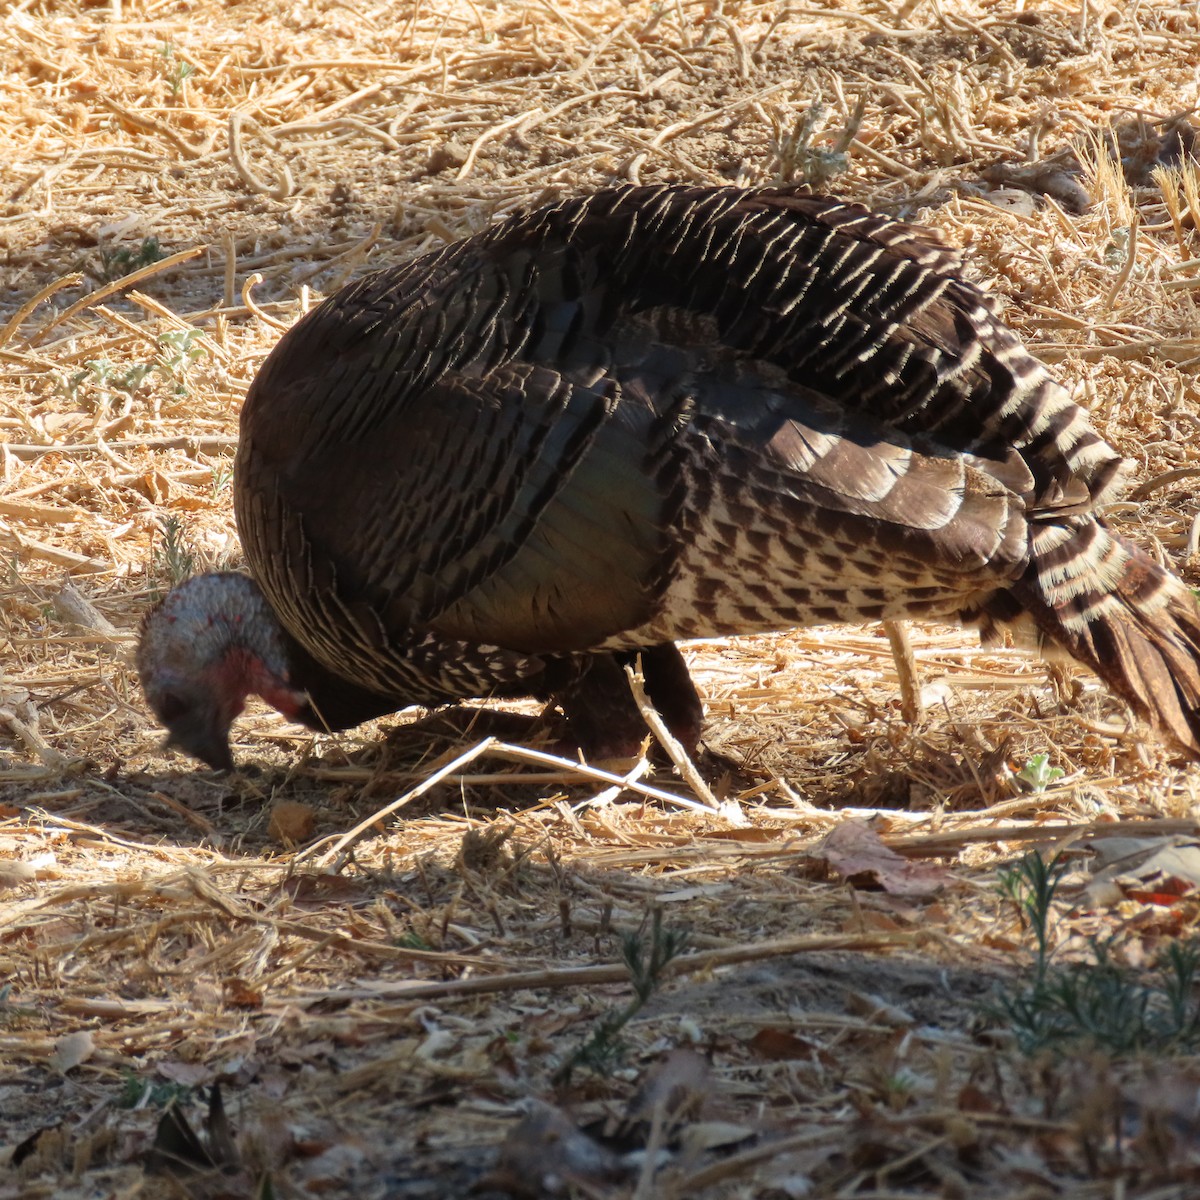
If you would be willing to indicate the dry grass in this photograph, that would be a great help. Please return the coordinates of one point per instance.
(180, 181)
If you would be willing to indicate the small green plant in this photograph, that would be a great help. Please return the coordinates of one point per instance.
(646, 958)
(142, 1093)
(178, 349)
(173, 557)
(117, 263)
(101, 374)
(413, 941)
(1096, 1002)
(222, 477)
(132, 379)
(175, 69)
(1031, 886)
(899, 1088)
(1038, 774)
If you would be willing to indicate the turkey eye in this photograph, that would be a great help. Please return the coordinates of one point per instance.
(171, 708)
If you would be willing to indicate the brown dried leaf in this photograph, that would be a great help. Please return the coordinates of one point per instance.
(710, 1135)
(241, 994)
(184, 1073)
(291, 822)
(857, 853)
(1180, 861)
(1152, 870)
(780, 1045)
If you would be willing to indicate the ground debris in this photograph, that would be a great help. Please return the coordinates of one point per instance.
(384, 1008)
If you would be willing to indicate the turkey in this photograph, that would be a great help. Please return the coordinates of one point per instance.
(510, 466)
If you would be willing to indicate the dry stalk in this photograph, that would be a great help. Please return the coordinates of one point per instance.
(675, 751)
(111, 289)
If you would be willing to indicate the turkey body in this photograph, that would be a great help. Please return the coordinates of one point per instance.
(654, 414)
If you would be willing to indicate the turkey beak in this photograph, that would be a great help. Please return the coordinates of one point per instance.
(206, 740)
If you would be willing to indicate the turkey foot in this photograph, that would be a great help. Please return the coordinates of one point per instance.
(603, 720)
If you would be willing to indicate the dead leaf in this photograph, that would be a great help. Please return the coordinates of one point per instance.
(1125, 852)
(1157, 871)
(711, 1135)
(184, 1073)
(872, 919)
(291, 822)
(974, 1099)
(857, 853)
(780, 1045)
(176, 1147)
(154, 485)
(72, 1050)
(241, 994)
(1179, 862)
(50, 1138)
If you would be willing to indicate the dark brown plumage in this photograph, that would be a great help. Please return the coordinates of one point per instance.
(642, 416)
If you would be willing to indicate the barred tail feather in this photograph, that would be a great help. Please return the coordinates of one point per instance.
(1118, 612)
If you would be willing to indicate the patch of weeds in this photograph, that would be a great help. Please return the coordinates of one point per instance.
(101, 374)
(646, 957)
(142, 1093)
(1038, 775)
(131, 380)
(899, 1088)
(178, 349)
(1097, 1003)
(92, 373)
(222, 477)
(174, 557)
(413, 941)
(799, 159)
(175, 69)
(115, 264)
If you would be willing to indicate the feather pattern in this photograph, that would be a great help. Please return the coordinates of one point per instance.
(652, 414)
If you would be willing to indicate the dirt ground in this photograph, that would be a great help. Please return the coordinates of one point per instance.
(282, 983)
